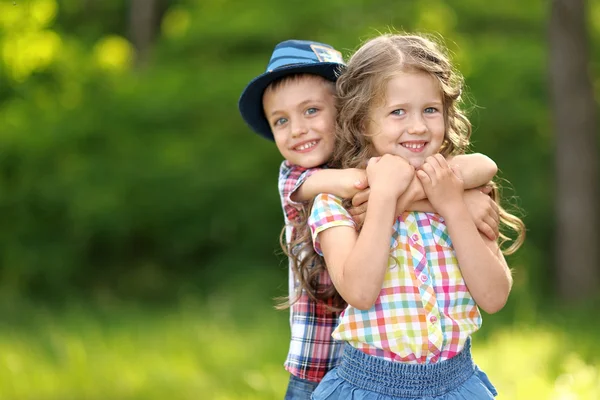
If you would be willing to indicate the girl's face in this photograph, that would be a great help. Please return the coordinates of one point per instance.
(410, 121)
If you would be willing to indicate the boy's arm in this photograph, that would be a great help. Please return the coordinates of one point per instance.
(344, 183)
(477, 170)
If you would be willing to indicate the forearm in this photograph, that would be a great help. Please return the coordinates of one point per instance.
(413, 199)
(484, 270)
(364, 269)
(476, 169)
(339, 182)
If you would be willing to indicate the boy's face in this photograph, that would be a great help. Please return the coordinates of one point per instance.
(301, 113)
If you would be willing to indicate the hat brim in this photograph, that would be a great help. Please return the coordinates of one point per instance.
(250, 103)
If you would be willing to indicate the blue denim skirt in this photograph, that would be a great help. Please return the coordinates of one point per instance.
(363, 377)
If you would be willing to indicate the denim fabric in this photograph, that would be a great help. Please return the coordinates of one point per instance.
(364, 377)
(299, 389)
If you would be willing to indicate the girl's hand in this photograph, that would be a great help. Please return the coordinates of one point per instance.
(484, 212)
(442, 184)
(389, 174)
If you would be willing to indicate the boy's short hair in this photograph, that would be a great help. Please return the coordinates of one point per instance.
(289, 57)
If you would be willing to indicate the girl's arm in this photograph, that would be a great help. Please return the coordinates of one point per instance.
(344, 183)
(482, 265)
(357, 262)
(483, 210)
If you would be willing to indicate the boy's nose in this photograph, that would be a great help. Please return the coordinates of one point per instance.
(298, 129)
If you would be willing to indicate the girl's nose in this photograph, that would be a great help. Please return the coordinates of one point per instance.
(417, 127)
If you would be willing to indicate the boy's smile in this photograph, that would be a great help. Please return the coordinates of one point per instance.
(306, 146)
(301, 113)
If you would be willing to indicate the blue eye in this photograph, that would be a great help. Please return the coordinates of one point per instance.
(431, 110)
(311, 111)
(280, 121)
(399, 112)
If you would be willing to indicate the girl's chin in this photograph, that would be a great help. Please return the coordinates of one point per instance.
(416, 162)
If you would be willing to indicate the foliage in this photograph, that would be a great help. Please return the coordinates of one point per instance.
(224, 346)
(121, 179)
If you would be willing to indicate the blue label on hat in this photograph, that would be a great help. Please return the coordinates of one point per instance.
(327, 54)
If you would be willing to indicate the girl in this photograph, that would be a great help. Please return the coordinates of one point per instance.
(413, 297)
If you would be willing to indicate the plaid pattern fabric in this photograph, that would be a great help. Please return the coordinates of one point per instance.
(313, 351)
(424, 312)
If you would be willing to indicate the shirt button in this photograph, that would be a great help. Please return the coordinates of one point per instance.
(415, 238)
(423, 278)
(433, 319)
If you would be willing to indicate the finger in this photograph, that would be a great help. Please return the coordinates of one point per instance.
(373, 161)
(358, 220)
(437, 165)
(493, 224)
(424, 177)
(486, 230)
(361, 197)
(358, 210)
(441, 160)
(433, 161)
(429, 169)
(362, 183)
(486, 189)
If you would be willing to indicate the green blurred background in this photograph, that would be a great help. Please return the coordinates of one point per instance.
(140, 217)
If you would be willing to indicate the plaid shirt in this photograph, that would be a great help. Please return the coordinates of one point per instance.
(424, 312)
(313, 351)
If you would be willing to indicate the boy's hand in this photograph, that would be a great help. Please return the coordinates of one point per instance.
(484, 211)
(356, 181)
(358, 210)
(443, 184)
(389, 174)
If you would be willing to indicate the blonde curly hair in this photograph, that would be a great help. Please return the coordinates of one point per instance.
(362, 86)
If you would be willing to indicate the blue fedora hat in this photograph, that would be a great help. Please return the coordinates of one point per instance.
(289, 57)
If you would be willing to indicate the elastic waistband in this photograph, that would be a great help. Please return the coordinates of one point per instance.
(405, 380)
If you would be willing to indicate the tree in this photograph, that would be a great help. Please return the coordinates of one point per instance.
(144, 22)
(576, 127)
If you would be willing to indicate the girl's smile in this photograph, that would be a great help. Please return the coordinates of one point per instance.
(415, 146)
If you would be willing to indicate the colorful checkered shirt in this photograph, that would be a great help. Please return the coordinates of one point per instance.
(313, 351)
(424, 312)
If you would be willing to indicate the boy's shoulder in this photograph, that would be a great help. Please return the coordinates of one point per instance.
(286, 169)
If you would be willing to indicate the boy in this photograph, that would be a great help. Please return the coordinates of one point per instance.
(293, 103)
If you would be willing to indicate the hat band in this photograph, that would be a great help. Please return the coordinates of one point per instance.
(293, 52)
(283, 61)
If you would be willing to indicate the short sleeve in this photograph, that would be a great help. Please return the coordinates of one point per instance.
(291, 177)
(327, 212)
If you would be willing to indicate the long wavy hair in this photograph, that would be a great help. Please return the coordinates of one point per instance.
(362, 87)
(306, 264)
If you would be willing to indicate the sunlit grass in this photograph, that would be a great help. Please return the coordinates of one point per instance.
(231, 346)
